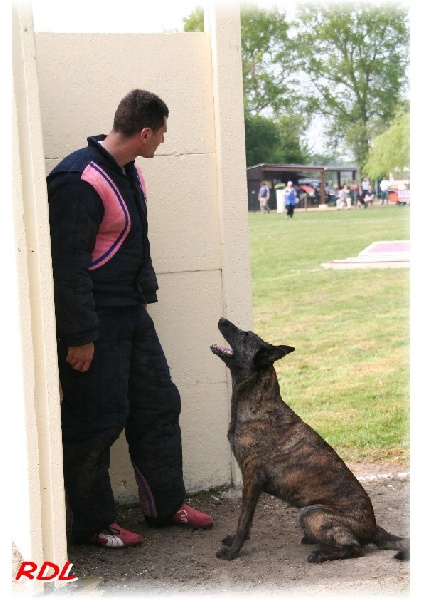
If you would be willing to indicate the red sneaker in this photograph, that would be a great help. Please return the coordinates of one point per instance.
(115, 536)
(185, 515)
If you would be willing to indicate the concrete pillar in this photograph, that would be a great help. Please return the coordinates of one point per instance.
(222, 22)
(39, 521)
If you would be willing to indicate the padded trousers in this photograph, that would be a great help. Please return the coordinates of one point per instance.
(128, 386)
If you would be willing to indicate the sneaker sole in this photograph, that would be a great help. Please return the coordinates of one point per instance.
(189, 526)
(113, 544)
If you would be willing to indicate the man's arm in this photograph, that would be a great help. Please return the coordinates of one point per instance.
(76, 213)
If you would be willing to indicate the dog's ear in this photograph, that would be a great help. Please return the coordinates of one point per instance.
(268, 354)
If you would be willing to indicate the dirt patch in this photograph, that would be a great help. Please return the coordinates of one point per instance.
(174, 561)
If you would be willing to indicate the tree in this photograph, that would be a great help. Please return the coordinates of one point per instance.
(262, 140)
(270, 140)
(344, 62)
(292, 128)
(355, 59)
(267, 60)
(390, 151)
(273, 129)
(195, 20)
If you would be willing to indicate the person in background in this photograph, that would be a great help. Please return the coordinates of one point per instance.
(365, 184)
(264, 195)
(113, 371)
(369, 197)
(290, 200)
(339, 199)
(353, 191)
(344, 199)
(384, 188)
(360, 198)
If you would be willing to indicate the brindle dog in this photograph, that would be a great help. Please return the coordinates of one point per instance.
(281, 455)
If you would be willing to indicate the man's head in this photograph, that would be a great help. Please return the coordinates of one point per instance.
(139, 110)
(139, 125)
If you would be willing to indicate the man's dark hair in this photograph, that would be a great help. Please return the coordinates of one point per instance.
(139, 109)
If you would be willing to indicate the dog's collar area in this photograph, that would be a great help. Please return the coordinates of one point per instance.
(221, 350)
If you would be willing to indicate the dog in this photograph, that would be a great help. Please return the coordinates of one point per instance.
(279, 454)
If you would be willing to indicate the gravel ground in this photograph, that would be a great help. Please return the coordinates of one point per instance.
(175, 562)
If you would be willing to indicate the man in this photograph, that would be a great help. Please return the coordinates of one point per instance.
(384, 188)
(290, 199)
(264, 195)
(113, 370)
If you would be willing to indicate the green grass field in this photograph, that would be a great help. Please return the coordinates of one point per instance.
(349, 376)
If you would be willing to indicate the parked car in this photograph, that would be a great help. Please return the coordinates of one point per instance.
(312, 188)
(307, 188)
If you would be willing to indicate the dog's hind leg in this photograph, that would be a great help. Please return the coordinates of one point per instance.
(388, 541)
(323, 526)
(233, 543)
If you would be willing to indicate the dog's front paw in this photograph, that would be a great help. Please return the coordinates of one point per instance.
(226, 553)
(228, 540)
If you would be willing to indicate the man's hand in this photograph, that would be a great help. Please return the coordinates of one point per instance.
(80, 357)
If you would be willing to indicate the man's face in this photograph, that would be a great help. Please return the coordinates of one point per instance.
(151, 140)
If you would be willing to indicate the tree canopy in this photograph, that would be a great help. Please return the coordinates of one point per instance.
(195, 20)
(355, 57)
(390, 150)
(271, 140)
(265, 60)
(344, 62)
(274, 132)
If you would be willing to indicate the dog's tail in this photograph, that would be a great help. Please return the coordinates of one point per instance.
(387, 541)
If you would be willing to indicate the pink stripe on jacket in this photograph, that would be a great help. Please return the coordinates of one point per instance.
(116, 221)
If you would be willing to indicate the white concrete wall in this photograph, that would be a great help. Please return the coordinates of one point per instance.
(196, 197)
(32, 379)
(67, 87)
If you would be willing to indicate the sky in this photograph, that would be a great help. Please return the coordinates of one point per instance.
(142, 16)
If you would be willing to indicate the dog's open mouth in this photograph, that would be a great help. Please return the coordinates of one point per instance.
(219, 350)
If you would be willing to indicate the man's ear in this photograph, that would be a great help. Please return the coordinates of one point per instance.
(145, 133)
(267, 355)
